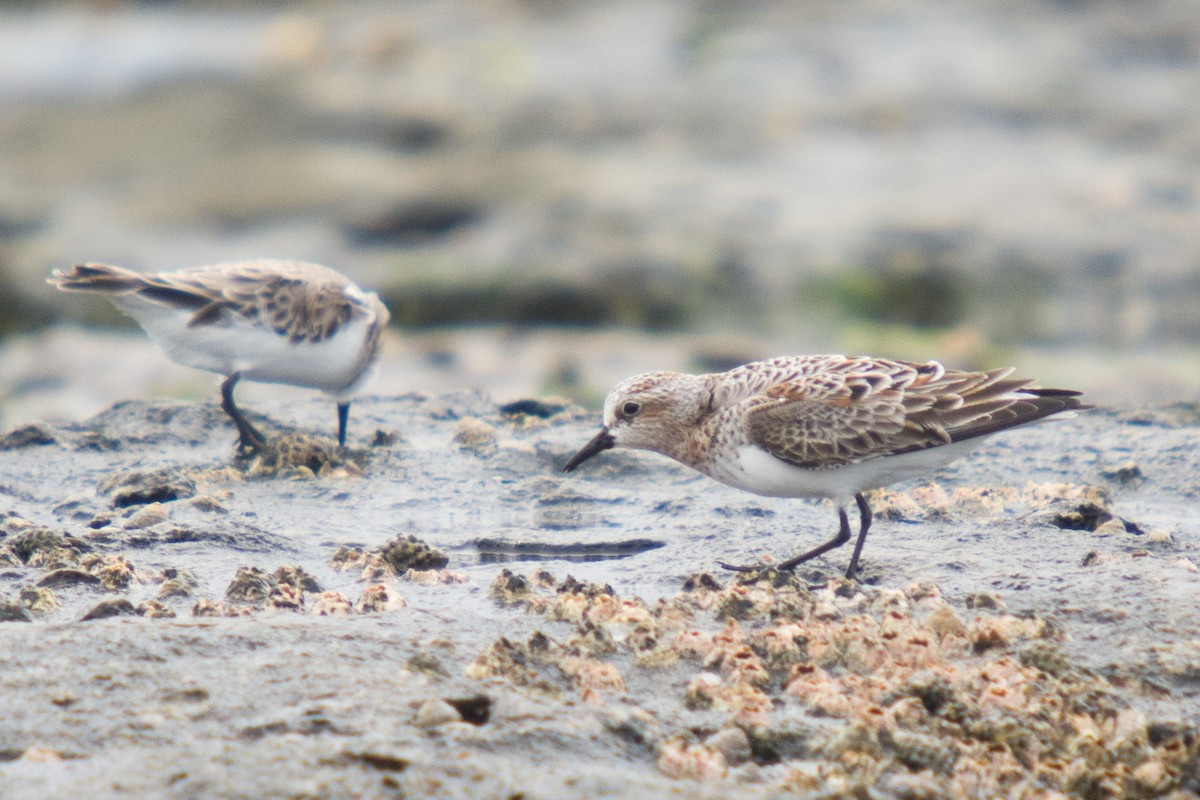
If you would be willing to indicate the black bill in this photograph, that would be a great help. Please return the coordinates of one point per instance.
(600, 442)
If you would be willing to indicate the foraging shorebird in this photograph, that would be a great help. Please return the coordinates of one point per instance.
(272, 321)
(820, 426)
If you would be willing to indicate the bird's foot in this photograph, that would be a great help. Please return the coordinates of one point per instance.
(251, 446)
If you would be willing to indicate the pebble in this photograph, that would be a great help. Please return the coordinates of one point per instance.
(475, 435)
(12, 611)
(147, 516)
(1110, 528)
(116, 607)
(41, 755)
(945, 621)
(543, 409)
(436, 712)
(1152, 777)
(1095, 558)
(176, 583)
(56, 579)
(733, 743)
(206, 502)
(39, 600)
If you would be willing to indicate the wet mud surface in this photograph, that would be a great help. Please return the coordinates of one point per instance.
(439, 611)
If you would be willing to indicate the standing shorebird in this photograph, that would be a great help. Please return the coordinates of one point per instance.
(269, 320)
(820, 426)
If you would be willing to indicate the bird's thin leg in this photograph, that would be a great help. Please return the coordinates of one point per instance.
(343, 415)
(864, 525)
(248, 435)
(843, 536)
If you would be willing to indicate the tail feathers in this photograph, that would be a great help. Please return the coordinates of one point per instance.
(98, 279)
(1034, 404)
(118, 283)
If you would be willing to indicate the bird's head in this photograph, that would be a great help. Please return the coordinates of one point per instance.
(647, 412)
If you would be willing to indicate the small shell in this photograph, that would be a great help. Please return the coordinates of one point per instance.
(433, 577)
(153, 609)
(331, 603)
(678, 759)
(509, 589)
(379, 597)
(589, 673)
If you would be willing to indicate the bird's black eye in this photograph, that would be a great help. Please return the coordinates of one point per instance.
(631, 408)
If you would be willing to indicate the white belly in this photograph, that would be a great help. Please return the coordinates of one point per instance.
(331, 365)
(757, 471)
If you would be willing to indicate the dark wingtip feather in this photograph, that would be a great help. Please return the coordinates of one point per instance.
(99, 278)
(175, 297)
(214, 313)
(1037, 405)
(1052, 392)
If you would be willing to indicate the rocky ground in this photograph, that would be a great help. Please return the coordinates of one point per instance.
(438, 611)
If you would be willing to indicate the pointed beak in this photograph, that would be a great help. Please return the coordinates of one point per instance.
(600, 442)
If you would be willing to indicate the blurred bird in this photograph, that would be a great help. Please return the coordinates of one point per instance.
(273, 321)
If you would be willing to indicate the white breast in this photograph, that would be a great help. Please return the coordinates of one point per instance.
(331, 365)
(755, 470)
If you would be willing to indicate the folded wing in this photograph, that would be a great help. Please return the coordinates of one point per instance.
(859, 409)
(302, 302)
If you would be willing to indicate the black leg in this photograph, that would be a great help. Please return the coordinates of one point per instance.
(843, 536)
(343, 415)
(248, 436)
(864, 525)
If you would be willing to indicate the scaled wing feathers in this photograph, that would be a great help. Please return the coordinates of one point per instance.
(855, 409)
(304, 302)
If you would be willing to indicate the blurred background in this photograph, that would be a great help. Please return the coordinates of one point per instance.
(553, 195)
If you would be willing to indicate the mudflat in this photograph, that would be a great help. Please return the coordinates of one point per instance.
(439, 611)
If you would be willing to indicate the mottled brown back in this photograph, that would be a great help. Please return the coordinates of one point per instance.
(856, 409)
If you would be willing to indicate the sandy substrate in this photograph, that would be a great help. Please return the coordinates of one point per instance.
(1027, 620)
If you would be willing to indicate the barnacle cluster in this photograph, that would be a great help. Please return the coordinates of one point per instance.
(292, 588)
(844, 688)
(297, 456)
(57, 563)
(62, 563)
(403, 556)
(290, 456)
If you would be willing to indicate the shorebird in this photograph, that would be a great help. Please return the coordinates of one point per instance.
(273, 321)
(820, 426)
